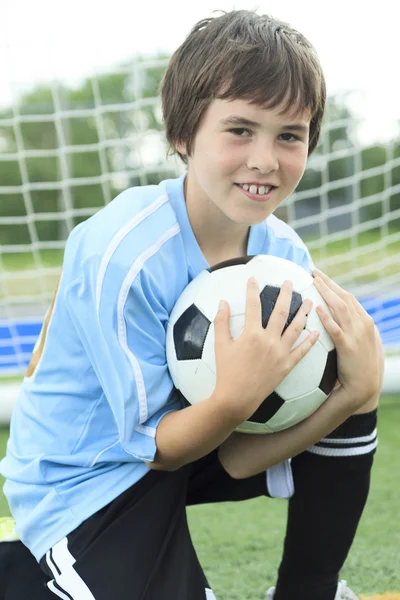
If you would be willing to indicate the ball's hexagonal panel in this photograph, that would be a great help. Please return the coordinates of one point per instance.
(274, 271)
(330, 375)
(296, 410)
(268, 298)
(190, 332)
(267, 409)
(228, 284)
(306, 375)
(313, 320)
(196, 380)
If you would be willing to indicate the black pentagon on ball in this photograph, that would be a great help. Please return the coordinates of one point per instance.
(190, 332)
(330, 374)
(267, 409)
(268, 298)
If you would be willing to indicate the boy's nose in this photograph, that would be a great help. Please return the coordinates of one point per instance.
(263, 160)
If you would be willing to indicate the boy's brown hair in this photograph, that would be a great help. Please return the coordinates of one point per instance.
(240, 55)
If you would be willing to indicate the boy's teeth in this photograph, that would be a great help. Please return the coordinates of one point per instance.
(254, 189)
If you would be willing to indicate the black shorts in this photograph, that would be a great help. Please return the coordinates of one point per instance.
(138, 547)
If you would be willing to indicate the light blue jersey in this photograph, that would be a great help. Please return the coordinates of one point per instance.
(98, 382)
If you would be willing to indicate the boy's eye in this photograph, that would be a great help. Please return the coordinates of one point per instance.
(290, 135)
(240, 132)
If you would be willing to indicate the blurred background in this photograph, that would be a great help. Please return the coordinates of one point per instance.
(80, 121)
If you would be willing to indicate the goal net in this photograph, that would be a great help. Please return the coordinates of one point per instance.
(68, 149)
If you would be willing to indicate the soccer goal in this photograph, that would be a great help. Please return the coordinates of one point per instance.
(68, 148)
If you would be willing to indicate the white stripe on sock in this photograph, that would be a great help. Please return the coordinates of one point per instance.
(356, 440)
(357, 451)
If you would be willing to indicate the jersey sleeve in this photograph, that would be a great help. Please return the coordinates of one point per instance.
(303, 258)
(122, 330)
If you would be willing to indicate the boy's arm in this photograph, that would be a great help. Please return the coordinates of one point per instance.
(244, 455)
(193, 432)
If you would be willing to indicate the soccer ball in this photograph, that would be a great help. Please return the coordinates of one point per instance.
(190, 338)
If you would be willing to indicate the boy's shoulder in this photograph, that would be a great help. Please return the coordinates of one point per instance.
(283, 241)
(138, 216)
(281, 231)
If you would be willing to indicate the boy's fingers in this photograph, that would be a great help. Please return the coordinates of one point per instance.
(335, 287)
(302, 349)
(253, 304)
(297, 325)
(330, 324)
(222, 323)
(340, 307)
(280, 313)
(346, 296)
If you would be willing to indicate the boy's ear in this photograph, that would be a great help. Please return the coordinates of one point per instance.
(181, 148)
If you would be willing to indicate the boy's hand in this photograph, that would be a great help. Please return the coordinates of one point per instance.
(354, 335)
(250, 367)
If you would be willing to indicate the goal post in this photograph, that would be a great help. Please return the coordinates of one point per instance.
(67, 149)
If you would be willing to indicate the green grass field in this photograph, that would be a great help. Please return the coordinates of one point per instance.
(239, 544)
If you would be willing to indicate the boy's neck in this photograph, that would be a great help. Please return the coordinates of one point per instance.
(219, 239)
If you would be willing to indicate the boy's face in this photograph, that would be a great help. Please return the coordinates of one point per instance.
(239, 143)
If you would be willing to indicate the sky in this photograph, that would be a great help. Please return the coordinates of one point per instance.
(355, 40)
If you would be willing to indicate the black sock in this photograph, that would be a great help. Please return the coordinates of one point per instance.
(331, 482)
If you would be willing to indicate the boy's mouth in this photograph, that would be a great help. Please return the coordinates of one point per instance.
(255, 189)
(256, 192)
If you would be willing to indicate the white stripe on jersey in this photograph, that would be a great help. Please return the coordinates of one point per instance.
(68, 580)
(117, 239)
(122, 334)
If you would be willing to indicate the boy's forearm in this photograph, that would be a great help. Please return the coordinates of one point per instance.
(188, 434)
(244, 455)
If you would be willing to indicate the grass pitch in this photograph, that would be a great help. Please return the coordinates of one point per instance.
(240, 544)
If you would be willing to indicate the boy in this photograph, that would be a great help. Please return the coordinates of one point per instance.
(103, 456)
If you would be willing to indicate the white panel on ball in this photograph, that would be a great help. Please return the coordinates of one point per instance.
(228, 284)
(208, 354)
(306, 375)
(296, 410)
(196, 380)
(189, 293)
(313, 320)
(278, 270)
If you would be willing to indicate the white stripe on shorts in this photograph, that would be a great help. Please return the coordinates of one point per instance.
(210, 595)
(57, 592)
(68, 580)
